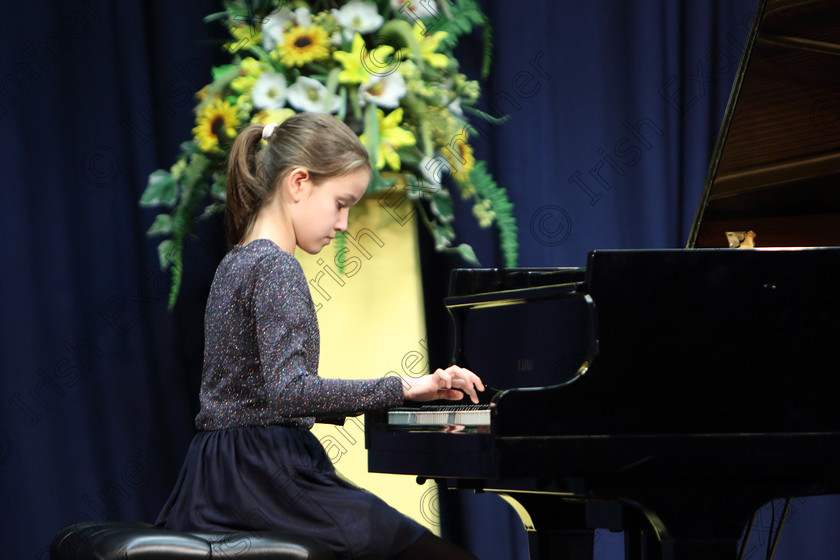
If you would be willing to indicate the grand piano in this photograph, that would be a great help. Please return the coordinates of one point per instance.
(667, 393)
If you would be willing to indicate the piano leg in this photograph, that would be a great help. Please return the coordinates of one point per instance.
(704, 522)
(700, 551)
(562, 528)
(641, 544)
(557, 528)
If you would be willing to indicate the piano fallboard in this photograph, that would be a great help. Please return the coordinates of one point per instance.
(431, 455)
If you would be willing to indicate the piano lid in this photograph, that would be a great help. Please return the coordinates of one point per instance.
(775, 169)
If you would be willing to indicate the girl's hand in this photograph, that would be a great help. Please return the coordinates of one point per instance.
(451, 383)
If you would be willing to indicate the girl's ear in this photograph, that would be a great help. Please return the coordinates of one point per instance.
(297, 183)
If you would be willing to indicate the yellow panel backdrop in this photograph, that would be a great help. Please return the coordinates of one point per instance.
(369, 299)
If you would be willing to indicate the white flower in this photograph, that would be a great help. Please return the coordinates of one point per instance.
(433, 170)
(276, 22)
(455, 107)
(269, 91)
(413, 9)
(383, 91)
(303, 17)
(272, 28)
(309, 95)
(358, 16)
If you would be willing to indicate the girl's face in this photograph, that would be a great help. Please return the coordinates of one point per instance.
(323, 209)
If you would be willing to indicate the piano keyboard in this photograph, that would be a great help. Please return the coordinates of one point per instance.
(441, 415)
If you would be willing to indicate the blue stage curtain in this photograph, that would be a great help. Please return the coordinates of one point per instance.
(99, 381)
(614, 107)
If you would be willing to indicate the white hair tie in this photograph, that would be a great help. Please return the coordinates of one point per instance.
(268, 130)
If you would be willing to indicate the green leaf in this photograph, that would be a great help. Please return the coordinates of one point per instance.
(161, 225)
(400, 30)
(215, 16)
(165, 253)
(332, 86)
(221, 79)
(194, 171)
(442, 241)
(219, 71)
(442, 207)
(467, 254)
(261, 53)
(342, 109)
(218, 190)
(409, 156)
(378, 183)
(372, 133)
(162, 189)
(486, 116)
(212, 209)
(189, 147)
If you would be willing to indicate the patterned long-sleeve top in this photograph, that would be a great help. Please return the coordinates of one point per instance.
(261, 349)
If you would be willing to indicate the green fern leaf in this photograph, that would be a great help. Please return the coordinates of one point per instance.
(486, 189)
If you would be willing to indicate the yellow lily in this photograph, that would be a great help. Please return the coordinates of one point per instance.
(391, 137)
(244, 36)
(354, 69)
(272, 115)
(429, 45)
(250, 71)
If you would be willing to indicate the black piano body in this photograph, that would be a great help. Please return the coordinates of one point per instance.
(709, 391)
(670, 391)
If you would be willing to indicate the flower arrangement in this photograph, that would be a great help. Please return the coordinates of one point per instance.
(385, 67)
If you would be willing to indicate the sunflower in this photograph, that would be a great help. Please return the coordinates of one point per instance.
(303, 44)
(218, 120)
(460, 156)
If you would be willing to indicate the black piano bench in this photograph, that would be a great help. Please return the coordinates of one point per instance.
(113, 540)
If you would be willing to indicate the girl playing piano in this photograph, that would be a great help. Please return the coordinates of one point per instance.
(254, 464)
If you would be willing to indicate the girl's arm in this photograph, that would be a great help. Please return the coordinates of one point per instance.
(288, 346)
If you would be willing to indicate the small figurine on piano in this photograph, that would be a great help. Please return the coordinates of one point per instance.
(741, 239)
(254, 464)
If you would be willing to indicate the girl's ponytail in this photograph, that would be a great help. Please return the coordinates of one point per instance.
(246, 187)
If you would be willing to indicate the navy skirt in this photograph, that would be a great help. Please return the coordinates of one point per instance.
(280, 478)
